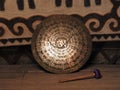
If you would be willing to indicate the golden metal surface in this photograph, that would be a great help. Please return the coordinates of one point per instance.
(61, 44)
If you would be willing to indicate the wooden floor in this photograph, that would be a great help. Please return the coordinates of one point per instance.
(31, 77)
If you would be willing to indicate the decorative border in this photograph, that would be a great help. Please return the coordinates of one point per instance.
(103, 19)
(112, 17)
(15, 42)
(106, 37)
(11, 23)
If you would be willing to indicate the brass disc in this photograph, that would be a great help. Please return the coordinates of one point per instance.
(61, 44)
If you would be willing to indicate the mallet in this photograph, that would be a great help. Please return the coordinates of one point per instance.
(95, 74)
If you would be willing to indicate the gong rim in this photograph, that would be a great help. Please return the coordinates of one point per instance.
(60, 43)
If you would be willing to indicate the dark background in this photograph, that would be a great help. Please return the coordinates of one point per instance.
(102, 53)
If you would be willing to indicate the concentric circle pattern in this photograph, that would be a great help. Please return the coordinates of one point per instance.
(61, 44)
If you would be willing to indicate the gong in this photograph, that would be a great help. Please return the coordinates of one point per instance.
(61, 44)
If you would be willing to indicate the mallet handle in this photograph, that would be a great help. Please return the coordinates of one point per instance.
(87, 76)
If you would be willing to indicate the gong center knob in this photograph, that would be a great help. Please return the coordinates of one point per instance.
(61, 43)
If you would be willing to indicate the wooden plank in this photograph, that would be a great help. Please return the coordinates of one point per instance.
(33, 78)
(36, 68)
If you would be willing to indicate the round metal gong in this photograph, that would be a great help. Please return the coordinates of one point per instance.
(61, 44)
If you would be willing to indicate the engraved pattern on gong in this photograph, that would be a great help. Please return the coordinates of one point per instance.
(61, 45)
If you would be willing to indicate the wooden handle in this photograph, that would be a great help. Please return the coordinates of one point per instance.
(91, 75)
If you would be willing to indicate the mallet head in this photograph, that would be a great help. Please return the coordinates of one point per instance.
(97, 73)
